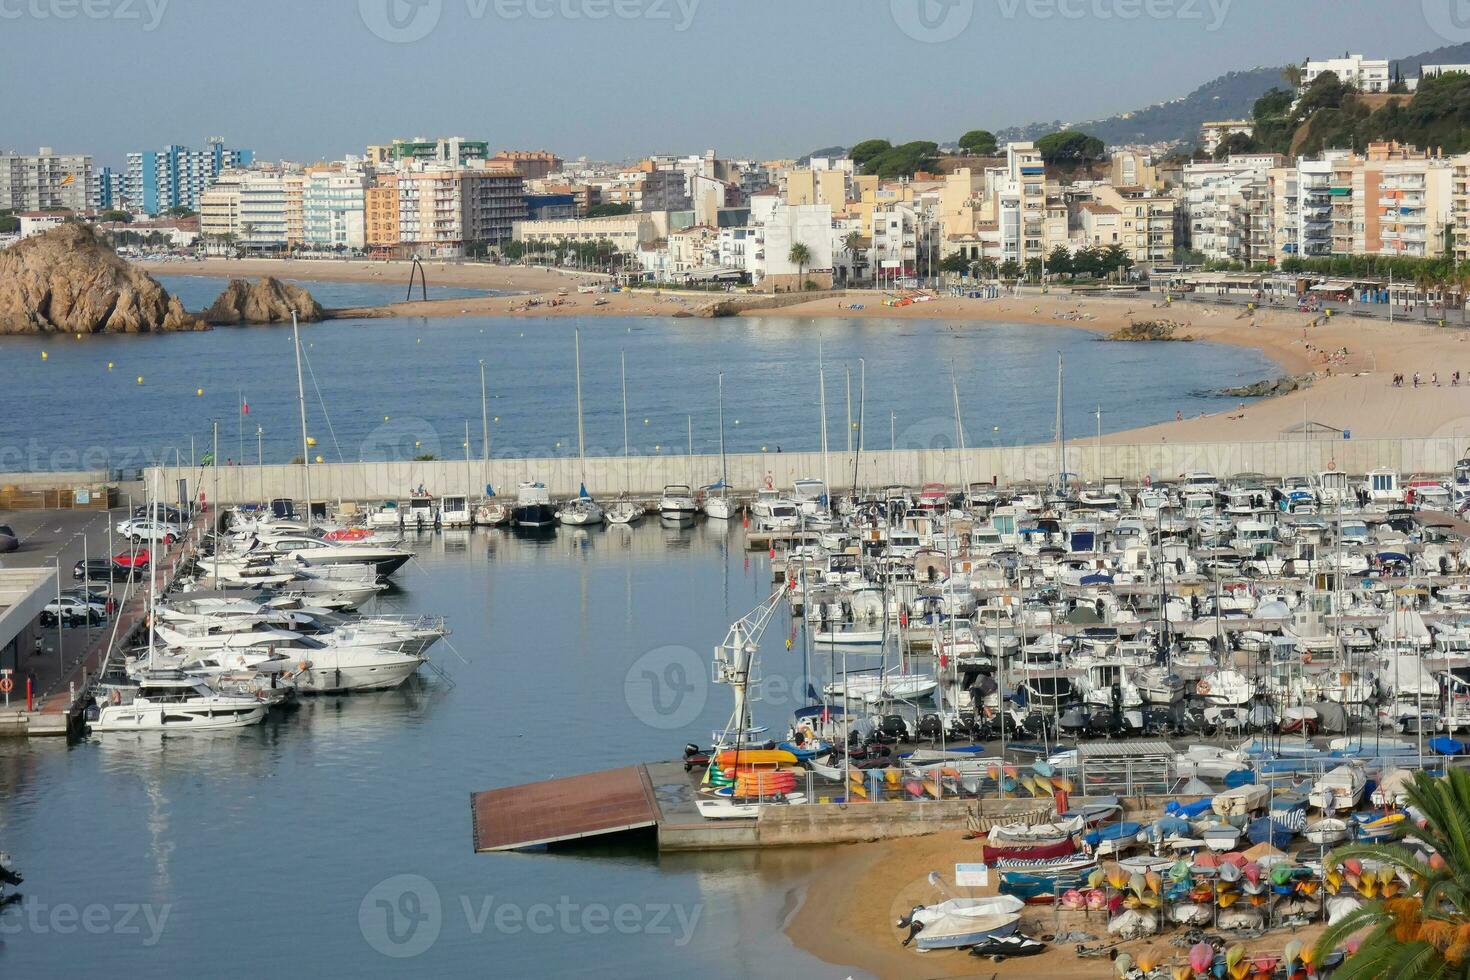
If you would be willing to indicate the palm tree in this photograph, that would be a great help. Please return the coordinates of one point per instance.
(801, 255)
(852, 243)
(1425, 931)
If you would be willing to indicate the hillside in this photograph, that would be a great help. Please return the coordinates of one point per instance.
(1227, 97)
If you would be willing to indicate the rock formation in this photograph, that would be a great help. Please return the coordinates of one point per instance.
(68, 280)
(1150, 330)
(266, 301)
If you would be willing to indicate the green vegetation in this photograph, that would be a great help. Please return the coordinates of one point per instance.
(1332, 115)
(800, 255)
(9, 223)
(179, 211)
(117, 217)
(1423, 931)
(609, 210)
(1070, 148)
(425, 458)
(978, 142)
(881, 158)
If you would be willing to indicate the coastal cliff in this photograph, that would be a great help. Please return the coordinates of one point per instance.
(68, 280)
(266, 301)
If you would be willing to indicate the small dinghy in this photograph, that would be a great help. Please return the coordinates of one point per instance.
(1095, 811)
(1241, 800)
(1327, 831)
(1221, 837)
(1112, 838)
(1339, 789)
(975, 908)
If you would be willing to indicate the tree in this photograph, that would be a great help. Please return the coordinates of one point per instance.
(1424, 931)
(1292, 76)
(1235, 143)
(117, 217)
(902, 161)
(978, 142)
(1033, 270)
(1010, 269)
(867, 150)
(1069, 148)
(1059, 261)
(609, 210)
(800, 255)
(179, 211)
(955, 264)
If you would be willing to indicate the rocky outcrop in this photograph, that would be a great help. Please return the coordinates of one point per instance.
(68, 280)
(1150, 330)
(1271, 387)
(266, 301)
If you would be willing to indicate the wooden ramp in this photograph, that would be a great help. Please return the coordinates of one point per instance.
(565, 809)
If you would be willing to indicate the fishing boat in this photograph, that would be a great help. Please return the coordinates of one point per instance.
(533, 508)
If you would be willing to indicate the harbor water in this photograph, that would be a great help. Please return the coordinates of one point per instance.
(400, 388)
(273, 850)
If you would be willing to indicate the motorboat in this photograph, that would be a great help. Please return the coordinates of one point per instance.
(172, 701)
(677, 503)
(491, 514)
(1338, 789)
(953, 931)
(313, 550)
(533, 507)
(1226, 688)
(1327, 831)
(1241, 800)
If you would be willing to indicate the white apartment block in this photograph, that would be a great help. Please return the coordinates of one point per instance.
(627, 232)
(333, 210)
(1365, 75)
(262, 214)
(809, 224)
(1227, 207)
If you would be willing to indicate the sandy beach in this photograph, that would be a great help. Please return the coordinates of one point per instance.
(1351, 390)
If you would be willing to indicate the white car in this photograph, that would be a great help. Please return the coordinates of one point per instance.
(144, 529)
(72, 609)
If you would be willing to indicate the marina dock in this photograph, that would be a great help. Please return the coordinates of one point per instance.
(659, 798)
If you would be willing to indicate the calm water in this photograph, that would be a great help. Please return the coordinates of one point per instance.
(199, 292)
(392, 389)
(264, 847)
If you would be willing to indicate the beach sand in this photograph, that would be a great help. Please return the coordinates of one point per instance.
(849, 912)
(1358, 396)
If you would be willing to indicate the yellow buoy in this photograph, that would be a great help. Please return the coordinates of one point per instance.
(311, 440)
(416, 444)
(44, 355)
(318, 459)
(198, 391)
(385, 418)
(140, 379)
(109, 365)
(79, 336)
(496, 419)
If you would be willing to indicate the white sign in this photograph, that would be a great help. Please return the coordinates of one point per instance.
(972, 875)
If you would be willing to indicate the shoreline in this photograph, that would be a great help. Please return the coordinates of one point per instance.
(1351, 392)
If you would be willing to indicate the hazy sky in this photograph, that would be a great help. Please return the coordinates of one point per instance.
(306, 79)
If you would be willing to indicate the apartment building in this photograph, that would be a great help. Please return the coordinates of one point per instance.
(1132, 168)
(1028, 210)
(380, 214)
(293, 186)
(806, 185)
(531, 164)
(665, 190)
(1212, 134)
(1145, 221)
(1100, 224)
(46, 180)
(1227, 207)
(219, 213)
(1395, 200)
(627, 232)
(262, 211)
(453, 152)
(176, 176)
(1363, 74)
(333, 207)
(451, 213)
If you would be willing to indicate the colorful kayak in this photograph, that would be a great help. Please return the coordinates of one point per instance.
(754, 757)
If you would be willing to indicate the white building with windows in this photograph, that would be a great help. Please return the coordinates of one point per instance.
(333, 210)
(1363, 74)
(1227, 207)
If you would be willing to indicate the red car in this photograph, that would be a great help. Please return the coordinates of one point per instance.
(133, 559)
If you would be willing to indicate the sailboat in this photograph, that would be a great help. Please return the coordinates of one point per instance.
(624, 511)
(582, 510)
(721, 507)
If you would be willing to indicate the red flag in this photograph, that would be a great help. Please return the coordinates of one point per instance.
(244, 408)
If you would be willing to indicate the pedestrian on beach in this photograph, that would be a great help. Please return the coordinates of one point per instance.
(1179, 415)
(1416, 379)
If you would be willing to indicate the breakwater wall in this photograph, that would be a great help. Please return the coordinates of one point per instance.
(607, 477)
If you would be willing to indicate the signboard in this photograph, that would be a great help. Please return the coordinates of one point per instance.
(81, 496)
(972, 875)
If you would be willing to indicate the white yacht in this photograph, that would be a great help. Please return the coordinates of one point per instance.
(580, 512)
(173, 701)
(455, 512)
(624, 512)
(677, 503)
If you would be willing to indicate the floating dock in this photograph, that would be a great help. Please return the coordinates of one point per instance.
(659, 797)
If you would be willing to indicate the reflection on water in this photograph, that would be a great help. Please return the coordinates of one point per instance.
(280, 832)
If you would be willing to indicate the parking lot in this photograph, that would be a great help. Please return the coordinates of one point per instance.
(49, 537)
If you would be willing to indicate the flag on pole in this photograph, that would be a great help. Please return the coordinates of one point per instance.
(244, 407)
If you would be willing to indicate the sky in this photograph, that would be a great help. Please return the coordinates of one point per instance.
(617, 79)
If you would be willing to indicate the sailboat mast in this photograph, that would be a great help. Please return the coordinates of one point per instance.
(822, 401)
(721, 387)
(581, 436)
(469, 478)
(959, 430)
(484, 415)
(627, 477)
(862, 420)
(301, 403)
(1061, 434)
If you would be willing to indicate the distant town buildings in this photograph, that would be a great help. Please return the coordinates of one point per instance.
(46, 180)
(176, 176)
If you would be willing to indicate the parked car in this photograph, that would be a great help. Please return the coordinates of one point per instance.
(143, 529)
(9, 540)
(71, 610)
(103, 570)
(134, 558)
(162, 512)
